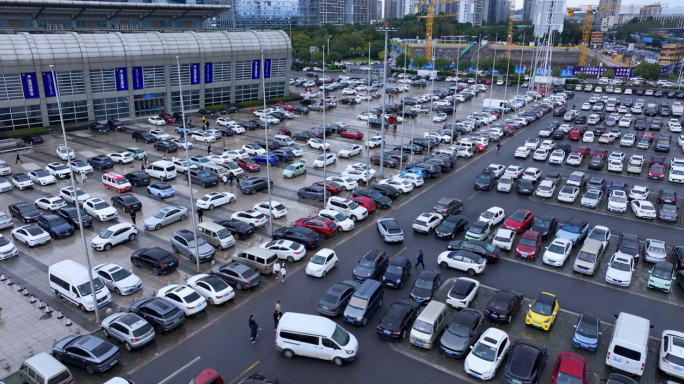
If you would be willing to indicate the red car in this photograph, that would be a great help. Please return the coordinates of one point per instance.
(167, 117)
(656, 172)
(208, 376)
(352, 135)
(529, 245)
(519, 221)
(283, 131)
(248, 165)
(286, 107)
(391, 119)
(366, 202)
(585, 151)
(575, 135)
(581, 128)
(325, 227)
(648, 135)
(331, 186)
(488, 82)
(348, 100)
(570, 368)
(602, 153)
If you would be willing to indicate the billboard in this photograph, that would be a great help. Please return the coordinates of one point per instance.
(596, 37)
(566, 72)
(49, 85)
(208, 73)
(256, 67)
(194, 73)
(648, 39)
(598, 71)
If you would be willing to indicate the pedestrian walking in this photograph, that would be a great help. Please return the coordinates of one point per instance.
(200, 213)
(225, 180)
(237, 179)
(276, 270)
(498, 146)
(283, 271)
(133, 216)
(276, 319)
(182, 134)
(19, 159)
(224, 145)
(142, 167)
(204, 127)
(254, 327)
(207, 125)
(420, 259)
(203, 120)
(84, 178)
(230, 179)
(277, 307)
(209, 149)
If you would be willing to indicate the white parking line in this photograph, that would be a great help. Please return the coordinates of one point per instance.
(180, 370)
(433, 365)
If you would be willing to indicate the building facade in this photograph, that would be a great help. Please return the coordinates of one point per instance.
(671, 54)
(124, 75)
(548, 15)
(606, 8)
(470, 11)
(527, 10)
(651, 10)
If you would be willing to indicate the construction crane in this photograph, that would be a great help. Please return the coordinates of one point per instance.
(510, 29)
(429, 18)
(588, 20)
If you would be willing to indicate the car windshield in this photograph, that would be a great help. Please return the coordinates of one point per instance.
(593, 195)
(395, 269)
(358, 302)
(318, 259)
(541, 308)
(460, 330)
(587, 256)
(106, 234)
(4, 241)
(422, 326)
(571, 228)
(484, 351)
(84, 288)
(476, 229)
(200, 242)
(620, 266)
(101, 205)
(424, 284)
(527, 242)
(120, 274)
(488, 215)
(518, 216)
(617, 199)
(159, 214)
(662, 273)
(367, 263)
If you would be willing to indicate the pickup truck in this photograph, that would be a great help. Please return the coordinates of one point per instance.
(677, 109)
(420, 109)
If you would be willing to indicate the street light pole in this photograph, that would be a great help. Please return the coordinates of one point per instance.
(387, 29)
(411, 141)
(522, 53)
(403, 115)
(325, 143)
(268, 150)
(369, 100)
(327, 38)
(187, 155)
(78, 208)
(491, 86)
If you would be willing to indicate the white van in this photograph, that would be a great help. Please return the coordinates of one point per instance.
(44, 369)
(162, 169)
(315, 336)
(467, 144)
(70, 281)
(283, 140)
(429, 325)
(628, 347)
(216, 170)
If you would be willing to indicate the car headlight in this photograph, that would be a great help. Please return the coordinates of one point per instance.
(547, 320)
(349, 352)
(398, 281)
(529, 315)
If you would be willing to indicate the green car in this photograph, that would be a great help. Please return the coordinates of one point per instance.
(137, 153)
(662, 276)
(478, 231)
(295, 169)
(643, 144)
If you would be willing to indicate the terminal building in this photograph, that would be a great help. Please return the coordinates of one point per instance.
(104, 71)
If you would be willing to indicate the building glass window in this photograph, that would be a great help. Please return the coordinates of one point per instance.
(154, 77)
(102, 23)
(243, 70)
(26, 23)
(165, 23)
(246, 92)
(222, 72)
(133, 22)
(184, 74)
(217, 96)
(25, 116)
(70, 83)
(180, 24)
(146, 24)
(66, 23)
(191, 100)
(111, 108)
(275, 89)
(72, 111)
(114, 22)
(4, 23)
(81, 24)
(149, 104)
(10, 87)
(196, 24)
(102, 80)
(42, 23)
(278, 67)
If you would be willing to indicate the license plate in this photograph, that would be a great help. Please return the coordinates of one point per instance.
(358, 278)
(677, 369)
(475, 375)
(170, 264)
(101, 304)
(387, 332)
(418, 343)
(516, 381)
(419, 301)
(94, 247)
(390, 285)
(655, 177)
(617, 360)
(175, 321)
(255, 284)
(135, 289)
(113, 362)
(616, 282)
(448, 352)
(494, 316)
(147, 340)
(349, 321)
(199, 306)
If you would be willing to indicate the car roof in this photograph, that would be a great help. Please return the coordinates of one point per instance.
(575, 221)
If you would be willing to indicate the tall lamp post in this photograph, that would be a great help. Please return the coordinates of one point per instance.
(325, 143)
(387, 29)
(491, 86)
(403, 115)
(268, 150)
(78, 209)
(369, 100)
(187, 156)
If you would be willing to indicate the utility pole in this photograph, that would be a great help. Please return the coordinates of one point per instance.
(268, 150)
(387, 29)
(325, 143)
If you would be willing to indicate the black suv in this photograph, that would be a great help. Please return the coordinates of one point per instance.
(156, 259)
(205, 112)
(138, 179)
(306, 236)
(161, 314)
(371, 265)
(26, 212)
(485, 181)
(447, 206)
(203, 178)
(426, 284)
(55, 225)
(116, 125)
(69, 214)
(143, 136)
(96, 126)
(166, 146)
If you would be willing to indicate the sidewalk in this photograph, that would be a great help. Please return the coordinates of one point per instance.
(25, 329)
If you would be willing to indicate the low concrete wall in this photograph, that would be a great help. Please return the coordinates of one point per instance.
(559, 58)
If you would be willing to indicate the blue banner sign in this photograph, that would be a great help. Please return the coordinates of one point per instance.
(256, 67)
(267, 69)
(49, 85)
(138, 78)
(121, 79)
(29, 82)
(194, 73)
(647, 39)
(208, 73)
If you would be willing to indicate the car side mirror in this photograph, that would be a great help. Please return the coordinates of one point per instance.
(555, 313)
(530, 305)
(471, 347)
(574, 326)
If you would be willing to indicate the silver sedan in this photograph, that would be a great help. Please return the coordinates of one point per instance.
(166, 216)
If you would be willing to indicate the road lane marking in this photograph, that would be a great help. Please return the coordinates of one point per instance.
(397, 254)
(474, 194)
(244, 372)
(431, 364)
(180, 370)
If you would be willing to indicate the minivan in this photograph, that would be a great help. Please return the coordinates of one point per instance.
(69, 280)
(162, 169)
(589, 257)
(315, 336)
(365, 301)
(43, 368)
(628, 347)
(259, 259)
(283, 140)
(216, 235)
(429, 325)
(216, 170)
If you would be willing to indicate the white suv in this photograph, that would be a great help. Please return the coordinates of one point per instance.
(347, 207)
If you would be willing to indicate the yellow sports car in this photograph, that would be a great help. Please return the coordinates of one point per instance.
(543, 311)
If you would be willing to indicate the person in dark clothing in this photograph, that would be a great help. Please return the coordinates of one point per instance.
(254, 327)
(209, 149)
(230, 179)
(200, 213)
(237, 179)
(276, 318)
(133, 216)
(498, 146)
(19, 159)
(420, 259)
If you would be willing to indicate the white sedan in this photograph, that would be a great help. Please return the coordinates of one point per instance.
(557, 252)
(568, 194)
(549, 145)
(427, 222)
(277, 209)
(350, 150)
(224, 121)
(532, 174)
(159, 134)
(212, 288)
(182, 143)
(574, 158)
(42, 177)
(325, 160)
(618, 201)
(65, 153)
(100, 209)
(203, 137)
(557, 157)
(117, 278)
(540, 154)
(532, 143)
(586, 106)
(318, 144)
(343, 222)
(493, 215)
(236, 154)
(285, 249)
(496, 169)
(546, 189)
(676, 175)
(627, 140)
(439, 117)
(675, 127)
(114, 235)
(366, 116)
(402, 185)
(184, 298)
(156, 120)
(416, 180)
(514, 171)
(121, 157)
(458, 300)
(254, 218)
(487, 354)
(215, 199)
(523, 152)
(643, 209)
(348, 183)
(639, 192)
(58, 170)
(504, 239)
(321, 263)
(615, 165)
(620, 269)
(50, 203)
(588, 137)
(348, 91)
(80, 166)
(31, 235)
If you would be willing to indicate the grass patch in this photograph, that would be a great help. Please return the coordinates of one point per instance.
(216, 108)
(18, 133)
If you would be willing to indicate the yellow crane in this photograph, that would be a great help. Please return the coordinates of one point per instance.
(429, 18)
(509, 42)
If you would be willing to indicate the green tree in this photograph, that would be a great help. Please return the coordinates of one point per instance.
(609, 73)
(582, 76)
(376, 47)
(556, 72)
(505, 66)
(301, 41)
(649, 71)
(333, 57)
(442, 64)
(464, 65)
(420, 61)
(399, 61)
(339, 47)
(317, 57)
(485, 64)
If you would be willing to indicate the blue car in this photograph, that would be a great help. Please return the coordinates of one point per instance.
(417, 171)
(587, 331)
(622, 186)
(574, 230)
(161, 190)
(101, 162)
(283, 155)
(261, 159)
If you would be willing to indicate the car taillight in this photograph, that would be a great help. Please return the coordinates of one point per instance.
(135, 339)
(608, 356)
(248, 283)
(163, 265)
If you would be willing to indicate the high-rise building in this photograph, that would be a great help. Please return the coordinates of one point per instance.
(356, 11)
(527, 10)
(333, 12)
(651, 10)
(548, 15)
(606, 8)
(470, 11)
(495, 11)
